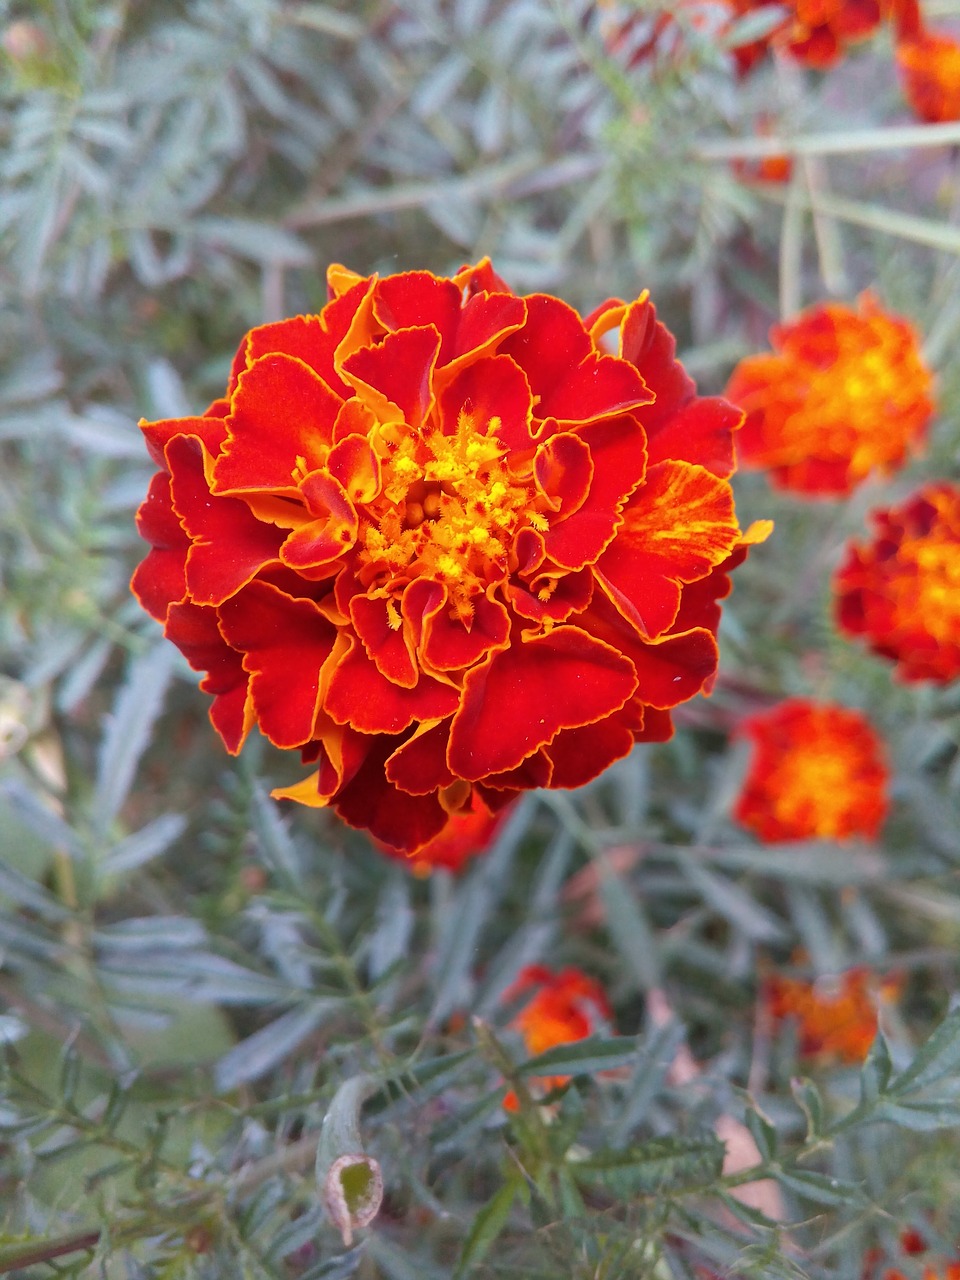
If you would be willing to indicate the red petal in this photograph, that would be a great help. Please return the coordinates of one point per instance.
(157, 435)
(529, 775)
(420, 765)
(360, 696)
(677, 527)
(563, 468)
(282, 419)
(564, 596)
(230, 545)
(333, 532)
(574, 382)
(702, 431)
(520, 699)
(675, 668)
(388, 647)
(619, 461)
(447, 645)
(492, 388)
(394, 377)
(312, 339)
(414, 299)
(286, 642)
(580, 755)
(369, 801)
(160, 580)
(354, 463)
(193, 629)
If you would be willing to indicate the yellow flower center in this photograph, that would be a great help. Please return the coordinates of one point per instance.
(818, 777)
(934, 594)
(448, 511)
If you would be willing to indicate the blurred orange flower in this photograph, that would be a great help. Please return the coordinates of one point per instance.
(929, 66)
(813, 32)
(901, 591)
(775, 168)
(817, 772)
(836, 1017)
(845, 392)
(913, 1244)
(562, 1006)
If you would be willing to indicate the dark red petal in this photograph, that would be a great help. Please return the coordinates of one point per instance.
(580, 755)
(386, 645)
(281, 423)
(675, 668)
(447, 645)
(394, 377)
(619, 461)
(160, 580)
(193, 629)
(420, 765)
(285, 642)
(360, 696)
(230, 545)
(333, 532)
(492, 388)
(486, 318)
(563, 468)
(521, 698)
(554, 597)
(414, 299)
(574, 382)
(372, 803)
(529, 775)
(158, 434)
(702, 431)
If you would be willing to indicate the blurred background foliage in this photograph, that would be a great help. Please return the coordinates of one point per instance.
(188, 974)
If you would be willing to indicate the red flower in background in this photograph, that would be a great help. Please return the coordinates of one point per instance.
(442, 543)
(561, 1007)
(466, 835)
(901, 591)
(835, 1017)
(844, 393)
(815, 33)
(929, 66)
(817, 772)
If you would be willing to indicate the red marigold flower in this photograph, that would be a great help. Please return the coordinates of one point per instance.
(443, 543)
(465, 836)
(845, 392)
(817, 772)
(836, 1017)
(901, 591)
(929, 66)
(562, 1006)
(815, 33)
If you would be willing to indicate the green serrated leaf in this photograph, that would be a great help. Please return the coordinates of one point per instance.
(583, 1057)
(939, 1057)
(487, 1227)
(658, 1166)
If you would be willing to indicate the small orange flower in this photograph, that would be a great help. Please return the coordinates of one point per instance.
(901, 591)
(929, 66)
(444, 543)
(775, 168)
(913, 1245)
(844, 393)
(465, 836)
(836, 1017)
(562, 1006)
(817, 772)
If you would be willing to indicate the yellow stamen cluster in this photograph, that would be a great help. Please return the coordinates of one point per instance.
(449, 509)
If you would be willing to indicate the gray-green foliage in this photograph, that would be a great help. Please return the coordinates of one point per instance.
(190, 975)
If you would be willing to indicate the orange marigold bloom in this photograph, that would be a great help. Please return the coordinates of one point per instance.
(817, 772)
(815, 33)
(901, 591)
(562, 1006)
(836, 1017)
(844, 393)
(443, 543)
(929, 66)
(913, 1245)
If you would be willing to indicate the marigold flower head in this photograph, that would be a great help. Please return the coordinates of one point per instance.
(815, 33)
(900, 592)
(561, 1006)
(844, 393)
(929, 66)
(835, 1017)
(913, 1245)
(817, 772)
(442, 542)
